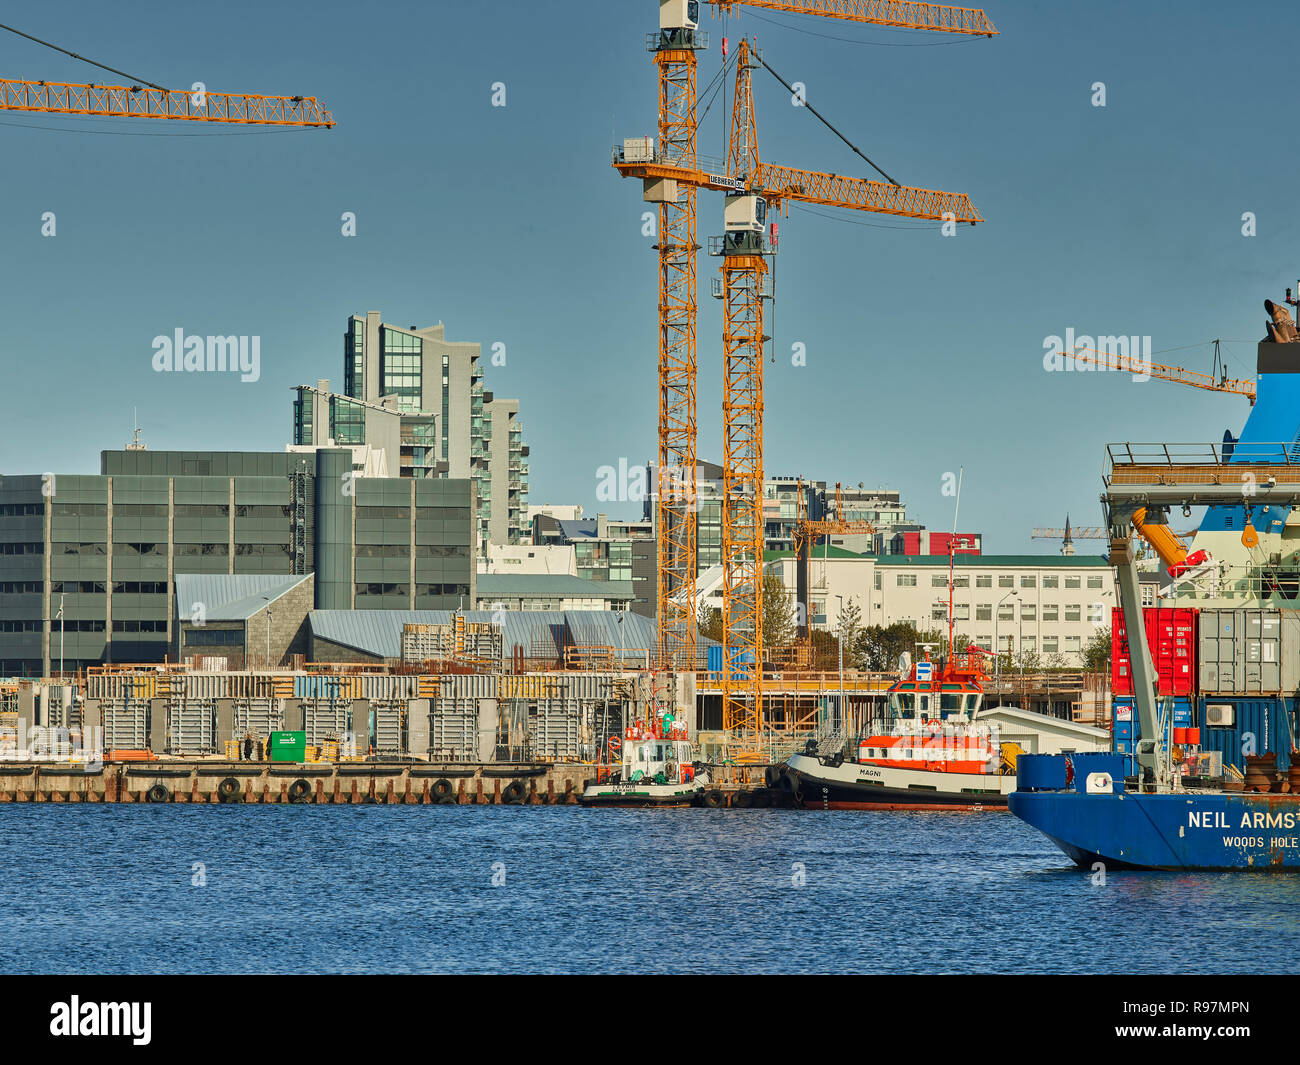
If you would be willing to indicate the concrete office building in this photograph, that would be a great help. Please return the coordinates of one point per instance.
(420, 399)
(109, 548)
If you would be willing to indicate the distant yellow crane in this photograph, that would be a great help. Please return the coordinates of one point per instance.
(1167, 544)
(1105, 360)
(807, 532)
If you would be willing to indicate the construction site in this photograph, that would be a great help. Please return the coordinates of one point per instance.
(534, 694)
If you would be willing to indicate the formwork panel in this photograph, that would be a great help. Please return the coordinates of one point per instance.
(453, 730)
(125, 723)
(191, 727)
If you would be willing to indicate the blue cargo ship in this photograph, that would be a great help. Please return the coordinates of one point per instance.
(1081, 803)
(1141, 807)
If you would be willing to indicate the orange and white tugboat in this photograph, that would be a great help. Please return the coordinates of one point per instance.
(936, 755)
(655, 767)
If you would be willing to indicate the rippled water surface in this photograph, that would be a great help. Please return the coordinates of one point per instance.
(410, 889)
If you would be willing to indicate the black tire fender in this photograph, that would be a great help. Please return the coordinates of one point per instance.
(513, 793)
(158, 793)
(299, 791)
(228, 790)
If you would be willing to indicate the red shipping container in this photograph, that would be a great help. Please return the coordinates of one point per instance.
(1171, 637)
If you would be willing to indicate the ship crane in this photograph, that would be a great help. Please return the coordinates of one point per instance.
(1105, 360)
(674, 189)
(148, 100)
(1167, 544)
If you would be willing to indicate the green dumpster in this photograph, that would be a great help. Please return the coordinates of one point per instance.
(288, 746)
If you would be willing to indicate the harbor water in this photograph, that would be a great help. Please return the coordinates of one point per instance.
(413, 889)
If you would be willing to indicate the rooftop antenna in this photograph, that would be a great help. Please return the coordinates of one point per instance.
(960, 470)
(135, 444)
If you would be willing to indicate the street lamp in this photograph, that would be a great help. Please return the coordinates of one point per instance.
(844, 718)
(997, 647)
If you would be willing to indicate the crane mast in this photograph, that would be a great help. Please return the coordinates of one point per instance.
(675, 48)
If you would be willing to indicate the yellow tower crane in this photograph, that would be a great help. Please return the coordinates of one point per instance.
(675, 49)
(147, 100)
(745, 248)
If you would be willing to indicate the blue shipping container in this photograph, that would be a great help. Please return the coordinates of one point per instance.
(715, 658)
(1259, 725)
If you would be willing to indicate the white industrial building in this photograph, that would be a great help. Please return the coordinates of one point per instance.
(1042, 605)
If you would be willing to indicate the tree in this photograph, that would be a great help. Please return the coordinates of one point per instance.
(710, 622)
(778, 613)
(1096, 652)
(878, 647)
(1055, 661)
(849, 630)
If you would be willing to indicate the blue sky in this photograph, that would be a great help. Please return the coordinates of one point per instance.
(924, 354)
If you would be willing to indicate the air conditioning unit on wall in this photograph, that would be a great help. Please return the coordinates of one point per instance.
(1221, 715)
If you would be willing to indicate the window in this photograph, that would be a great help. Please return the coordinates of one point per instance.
(1094, 582)
(1007, 612)
(938, 580)
(382, 589)
(1050, 645)
(1051, 581)
(961, 582)
(1028, 645)
(1028, 612)
(906, 580)
(1028, 581)
(1072, 611)
(139, 626)
(938, 613)
(139, 550)
(983, 580)
(1073, 644)
(1072, 582)
(1006, 580)
(983, 612)
(1095, 611)
(1051, 612)
(961, 611)
(193, 550)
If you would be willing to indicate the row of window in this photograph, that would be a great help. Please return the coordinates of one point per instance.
(161, 510)
(1028, 612)
(83, 587)
(22, 549)
(1051, 644)
(1005, 580)
(66, 625)
(21, 510)
(200, 637)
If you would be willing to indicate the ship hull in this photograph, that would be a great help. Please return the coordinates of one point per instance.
(642, 795)
(823, 785)
(1174, 831)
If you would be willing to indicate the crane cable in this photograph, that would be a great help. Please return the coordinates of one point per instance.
(826, 123)
(74, 55)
